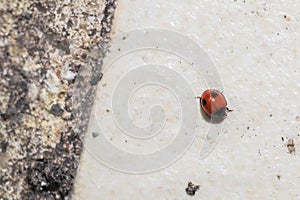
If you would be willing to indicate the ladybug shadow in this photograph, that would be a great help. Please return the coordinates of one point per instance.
(217, 118)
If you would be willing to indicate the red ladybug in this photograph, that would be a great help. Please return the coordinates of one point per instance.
(214, 103)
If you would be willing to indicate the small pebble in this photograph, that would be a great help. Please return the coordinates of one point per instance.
(95, 134)
(96, 79)
(56, 110)
(52, 82)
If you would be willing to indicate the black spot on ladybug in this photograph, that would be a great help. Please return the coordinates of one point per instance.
(203, 102)
(214, 94)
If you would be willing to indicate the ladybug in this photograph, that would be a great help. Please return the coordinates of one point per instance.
(214, 103)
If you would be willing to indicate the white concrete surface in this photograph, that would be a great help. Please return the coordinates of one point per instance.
(255, 47)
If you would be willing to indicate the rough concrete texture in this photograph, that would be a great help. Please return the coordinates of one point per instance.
(49, 65)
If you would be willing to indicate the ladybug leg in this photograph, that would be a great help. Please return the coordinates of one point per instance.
(228, 110)
(197, 97)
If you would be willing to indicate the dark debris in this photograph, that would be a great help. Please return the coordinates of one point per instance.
(291, 146)
(192, 189)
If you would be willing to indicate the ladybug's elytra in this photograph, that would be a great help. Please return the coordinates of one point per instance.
(214, 103)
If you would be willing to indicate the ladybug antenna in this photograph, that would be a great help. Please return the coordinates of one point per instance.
(197, 97)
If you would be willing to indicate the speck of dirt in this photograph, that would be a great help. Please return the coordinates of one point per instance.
(291, 146)
(191, 189)
(287, 18)
(278, 176)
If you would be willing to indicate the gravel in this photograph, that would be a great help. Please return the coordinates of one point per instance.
(50, 64)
